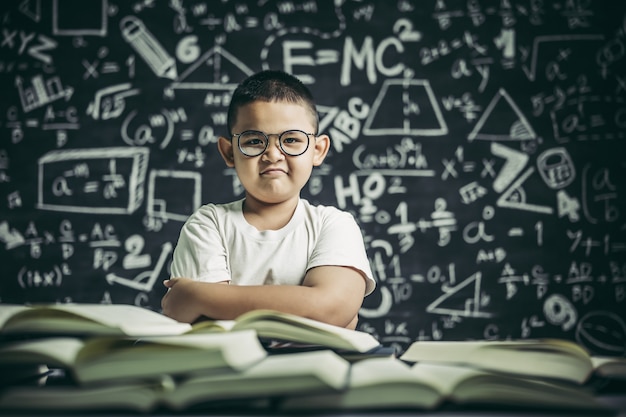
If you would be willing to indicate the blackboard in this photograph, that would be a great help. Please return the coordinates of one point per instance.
(479, 144)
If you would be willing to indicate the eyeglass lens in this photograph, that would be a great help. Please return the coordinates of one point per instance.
(291, 142)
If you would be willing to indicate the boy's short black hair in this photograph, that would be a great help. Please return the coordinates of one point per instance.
(271, 85)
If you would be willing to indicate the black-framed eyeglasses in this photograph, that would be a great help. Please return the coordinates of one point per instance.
(291, 142)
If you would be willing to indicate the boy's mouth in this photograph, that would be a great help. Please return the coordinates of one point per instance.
(273, 171)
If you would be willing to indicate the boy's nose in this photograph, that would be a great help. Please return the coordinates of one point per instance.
(273, 152)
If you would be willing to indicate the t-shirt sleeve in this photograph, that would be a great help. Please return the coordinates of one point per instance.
(200, 253)
(341, 244)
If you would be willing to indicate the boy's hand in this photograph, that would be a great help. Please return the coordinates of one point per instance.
(179, 302)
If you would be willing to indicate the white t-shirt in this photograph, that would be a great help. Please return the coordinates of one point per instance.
(217, 244)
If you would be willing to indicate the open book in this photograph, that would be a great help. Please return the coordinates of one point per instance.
(389, 384)
(86, 319)
(546, 358)
(105, 359)
(128, 320)
(274, 325)
(276, 376)
(609, 367)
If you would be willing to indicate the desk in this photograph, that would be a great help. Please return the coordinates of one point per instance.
(613, 395)
(616, 401)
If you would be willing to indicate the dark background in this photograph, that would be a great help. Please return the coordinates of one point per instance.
(479, 144)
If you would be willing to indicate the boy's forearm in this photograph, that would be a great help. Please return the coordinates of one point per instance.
(230, 301)
(330, 294)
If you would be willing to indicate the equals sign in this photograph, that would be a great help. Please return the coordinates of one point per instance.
(443, 219)
(110, 67)
(251, 22)
(618, 247)
(186, 134)
(469, 166)
(326, 56)
(91, 187)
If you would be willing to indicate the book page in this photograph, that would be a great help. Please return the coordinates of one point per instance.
(132, 320)
(282, 326)
(9, 310)
(54, 351)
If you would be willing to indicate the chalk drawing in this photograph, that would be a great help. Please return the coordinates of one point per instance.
(222, 76)
(109, 102)
(415, 101)
(515, 196)
(148, 47)
(556, 168)
(41, 92)
(146, 280)
(560, 311)
(93, 181)
(510, 121)
(541, 41)
(178, 206)
(10, 237)
(92, 22)
(515, 162)
(469, 291)
(31, 9)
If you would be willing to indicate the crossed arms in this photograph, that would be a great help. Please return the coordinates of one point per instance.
(332, 294)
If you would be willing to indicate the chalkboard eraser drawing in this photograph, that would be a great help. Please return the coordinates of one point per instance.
(103, 180)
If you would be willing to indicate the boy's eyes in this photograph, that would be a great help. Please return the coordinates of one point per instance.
(291, 142)
(254, 140)
(291, 139)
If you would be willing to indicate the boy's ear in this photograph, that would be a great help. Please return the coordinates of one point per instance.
(225, 147)
(322, 146)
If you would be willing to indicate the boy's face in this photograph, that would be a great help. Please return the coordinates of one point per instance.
(273, 177)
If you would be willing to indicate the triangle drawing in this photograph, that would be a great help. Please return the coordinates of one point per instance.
(515, 196)
(467, 291)
(502, 120)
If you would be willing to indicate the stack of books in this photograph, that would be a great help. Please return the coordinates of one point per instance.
(122, 357)
(542, 374)
(126, 358)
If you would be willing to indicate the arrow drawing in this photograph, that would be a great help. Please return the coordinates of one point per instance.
(139, 282)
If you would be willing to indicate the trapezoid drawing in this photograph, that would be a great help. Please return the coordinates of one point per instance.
(502, 120)
(405, 107)
(216, 69)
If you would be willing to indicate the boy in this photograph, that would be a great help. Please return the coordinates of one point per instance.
(275, 249)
